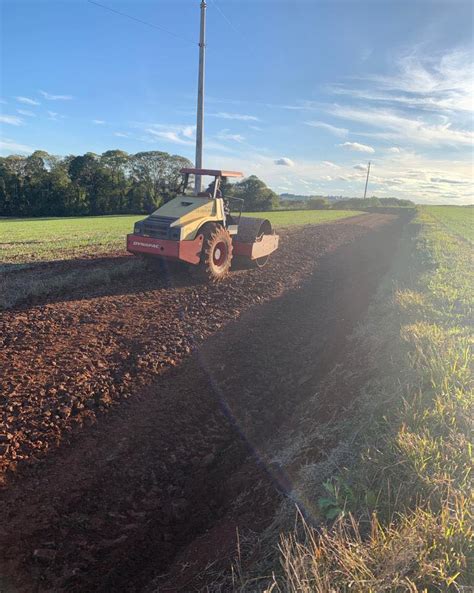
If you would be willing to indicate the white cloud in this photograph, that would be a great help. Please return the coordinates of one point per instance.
(360, 167)
(121, 134)
(174, 136)
(26, 112)
(13, 120)
(51, 97)
(98, 122)
(431, 81)
(355, 146)
(237, 116)
(284, 162)
(394, 150)
(328, 127)
(55, 116)
(227, 135)
(8, 145)
(450, 181)
(189, 131)
(27, 101)
(330, 164)
(396, 126)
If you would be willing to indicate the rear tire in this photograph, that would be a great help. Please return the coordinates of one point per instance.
(216, 255)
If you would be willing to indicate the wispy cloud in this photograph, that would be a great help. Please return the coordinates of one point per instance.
(51, 97)
(450, 181)
(356, 147)
(54, 116)
(98, 122)
(431, 81)
(227, 135)
(175, 136)
(121, 134)
(393, 125)
(328, 127)
(236, 116)
(26, 112)
(13, 120)
(9, 145)
(27, 101)
(188, 131)
(284, 162)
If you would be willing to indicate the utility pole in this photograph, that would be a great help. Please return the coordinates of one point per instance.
(367, 181)
(200, 101)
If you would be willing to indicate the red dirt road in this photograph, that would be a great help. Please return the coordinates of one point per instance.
(196, 377)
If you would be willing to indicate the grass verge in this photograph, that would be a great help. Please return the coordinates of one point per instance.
(388, 509)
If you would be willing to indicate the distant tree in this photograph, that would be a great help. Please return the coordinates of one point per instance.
(317, 203)
(158, 174)
(226, 187)
(356, 203)
(400, 203)
(256, 195)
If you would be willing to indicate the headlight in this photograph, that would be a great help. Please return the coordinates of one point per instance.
(175, 234)
(137, 229)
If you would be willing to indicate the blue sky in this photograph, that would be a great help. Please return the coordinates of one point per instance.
(300, 92)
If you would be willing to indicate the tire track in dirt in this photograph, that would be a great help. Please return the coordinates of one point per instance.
(113, 511)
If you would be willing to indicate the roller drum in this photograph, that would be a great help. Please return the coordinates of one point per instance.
(252, 229)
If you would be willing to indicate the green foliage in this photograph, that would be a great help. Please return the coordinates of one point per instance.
(397, 202)
(372, 202)
(339, 499)
(114, 182)
(317, 203)
(256, 195)
(357, 203)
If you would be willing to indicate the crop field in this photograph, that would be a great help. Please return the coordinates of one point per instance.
(43, 239)
(156, 430)
(458, 220)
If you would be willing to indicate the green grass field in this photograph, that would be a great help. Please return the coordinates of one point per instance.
(43, 239)
(458, 220)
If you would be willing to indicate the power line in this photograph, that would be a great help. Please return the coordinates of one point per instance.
(227, 20)
(133, 18)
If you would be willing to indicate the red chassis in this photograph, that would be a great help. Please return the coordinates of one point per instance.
(190, 251)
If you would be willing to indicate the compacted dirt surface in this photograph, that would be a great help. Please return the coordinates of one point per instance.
(132, 417)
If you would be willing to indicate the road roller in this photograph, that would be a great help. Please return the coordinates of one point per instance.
(205, 231)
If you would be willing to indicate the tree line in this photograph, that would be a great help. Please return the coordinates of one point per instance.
(321, 203)
(116, 182)
(113, 182)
